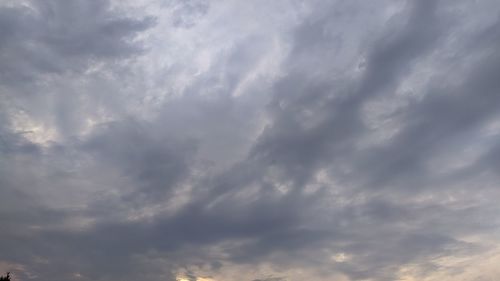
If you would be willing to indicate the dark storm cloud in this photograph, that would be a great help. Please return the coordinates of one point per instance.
(153, 162)
(196, 182)
(43, 41)
(47, 37)
(40, 39)
(299, 146)
(300, 142)
(443, 115)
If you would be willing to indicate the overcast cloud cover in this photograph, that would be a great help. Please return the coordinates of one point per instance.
(228, 140)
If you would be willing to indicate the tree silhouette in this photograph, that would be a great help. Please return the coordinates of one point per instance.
(6, 277)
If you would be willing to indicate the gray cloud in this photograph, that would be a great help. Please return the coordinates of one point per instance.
(345, 140)
(47, 37)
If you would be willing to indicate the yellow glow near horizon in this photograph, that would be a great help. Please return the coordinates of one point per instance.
(197, 279)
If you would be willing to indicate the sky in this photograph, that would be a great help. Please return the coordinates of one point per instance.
(224, 140)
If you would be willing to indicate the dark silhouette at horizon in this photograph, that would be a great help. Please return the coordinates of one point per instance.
(6, 277)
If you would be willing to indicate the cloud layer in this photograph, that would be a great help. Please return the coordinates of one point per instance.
(260, 141)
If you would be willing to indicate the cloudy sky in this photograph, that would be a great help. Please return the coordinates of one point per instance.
(229, 140)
